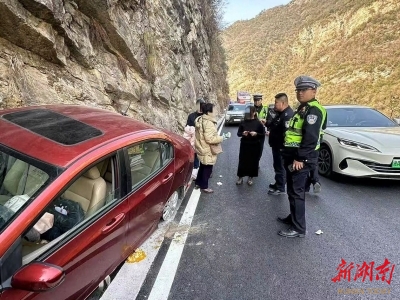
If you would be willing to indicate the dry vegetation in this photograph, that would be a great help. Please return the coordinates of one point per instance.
(351, 46)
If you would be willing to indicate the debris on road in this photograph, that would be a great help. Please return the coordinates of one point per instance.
(219, 183)
(319, 231)
(136, 256)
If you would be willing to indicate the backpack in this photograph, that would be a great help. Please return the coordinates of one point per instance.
(67, 214)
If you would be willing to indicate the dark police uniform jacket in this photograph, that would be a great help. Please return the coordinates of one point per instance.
(278, 127)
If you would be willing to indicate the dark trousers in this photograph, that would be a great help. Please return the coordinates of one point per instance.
(203, 176)
(312, 178)
(196, 162)
(280, 173)
(296, 183)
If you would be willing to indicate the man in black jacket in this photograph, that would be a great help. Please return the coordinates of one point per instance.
(277, 129)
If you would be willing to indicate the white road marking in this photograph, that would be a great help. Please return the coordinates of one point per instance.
(166, 275)
(220, 129)
(130, 278)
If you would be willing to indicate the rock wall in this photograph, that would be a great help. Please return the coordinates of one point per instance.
(148, 59)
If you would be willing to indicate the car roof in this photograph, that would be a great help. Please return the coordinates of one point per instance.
(30, 130)
(345, 106)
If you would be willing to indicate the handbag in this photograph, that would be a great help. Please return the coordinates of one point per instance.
(215, 148)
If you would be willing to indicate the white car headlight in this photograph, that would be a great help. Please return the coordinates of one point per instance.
(227, 117)
(357, 145)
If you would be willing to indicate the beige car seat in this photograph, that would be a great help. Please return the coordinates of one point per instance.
(89, 191)
(150, 162)
(22, 179)
(105, 169)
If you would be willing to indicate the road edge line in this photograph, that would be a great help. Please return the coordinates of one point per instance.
(166, 275)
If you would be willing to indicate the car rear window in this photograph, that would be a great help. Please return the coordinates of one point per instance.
(54, 126)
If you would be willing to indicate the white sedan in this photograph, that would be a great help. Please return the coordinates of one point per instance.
(360, 142)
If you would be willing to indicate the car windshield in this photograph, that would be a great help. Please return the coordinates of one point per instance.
(21, 178)
(237, 107)
(357, 117)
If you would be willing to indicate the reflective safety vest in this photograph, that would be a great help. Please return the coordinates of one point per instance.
(294, 134)
(263, 113)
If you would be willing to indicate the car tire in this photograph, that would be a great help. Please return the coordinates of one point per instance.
(171, 207)
(325, 161)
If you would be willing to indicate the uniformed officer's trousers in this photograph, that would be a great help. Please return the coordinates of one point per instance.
(296, 183)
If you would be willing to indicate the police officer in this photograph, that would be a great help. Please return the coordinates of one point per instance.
(302, 141)
(261, 115)
(277, 130)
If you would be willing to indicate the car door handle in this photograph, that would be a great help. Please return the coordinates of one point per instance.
(113, 223)
(168, 177)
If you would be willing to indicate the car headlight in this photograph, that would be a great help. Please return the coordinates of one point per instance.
(227, 117)
(356, 145)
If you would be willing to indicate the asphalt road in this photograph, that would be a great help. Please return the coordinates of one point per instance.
(233, 250)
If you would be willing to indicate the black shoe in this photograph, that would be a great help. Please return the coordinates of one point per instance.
(273, 186)
(291, 233)
(287, 220)
(276, 192)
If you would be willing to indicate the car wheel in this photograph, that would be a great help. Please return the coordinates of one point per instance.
(325, 161)
(171, 207)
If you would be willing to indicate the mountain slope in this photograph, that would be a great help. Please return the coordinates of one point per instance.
(351, 46)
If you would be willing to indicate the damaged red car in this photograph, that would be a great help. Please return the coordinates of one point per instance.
(80, 189)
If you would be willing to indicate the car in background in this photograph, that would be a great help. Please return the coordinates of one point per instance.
(360, 142)
(80, 190)
(235, 113)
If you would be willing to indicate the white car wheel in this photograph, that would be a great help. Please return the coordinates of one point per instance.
(171, 207)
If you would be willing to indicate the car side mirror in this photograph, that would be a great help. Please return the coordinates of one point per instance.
(38, 277)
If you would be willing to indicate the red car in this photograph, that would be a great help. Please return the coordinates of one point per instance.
(80, 189)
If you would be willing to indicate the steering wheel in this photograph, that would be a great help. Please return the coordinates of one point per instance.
(361, 123)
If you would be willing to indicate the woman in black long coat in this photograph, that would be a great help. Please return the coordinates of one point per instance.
(252, 132)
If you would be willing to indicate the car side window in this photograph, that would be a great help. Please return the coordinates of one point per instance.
(88, 195)
(144, 160)
(167, 152)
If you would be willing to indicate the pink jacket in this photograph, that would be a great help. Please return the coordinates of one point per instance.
(189, 134)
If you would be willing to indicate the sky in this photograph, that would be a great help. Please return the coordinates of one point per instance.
(236, 10)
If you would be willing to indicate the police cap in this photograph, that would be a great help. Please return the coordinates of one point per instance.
(257, 97)
(306, 82)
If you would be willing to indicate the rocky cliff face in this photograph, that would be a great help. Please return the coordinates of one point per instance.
(150, 59)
